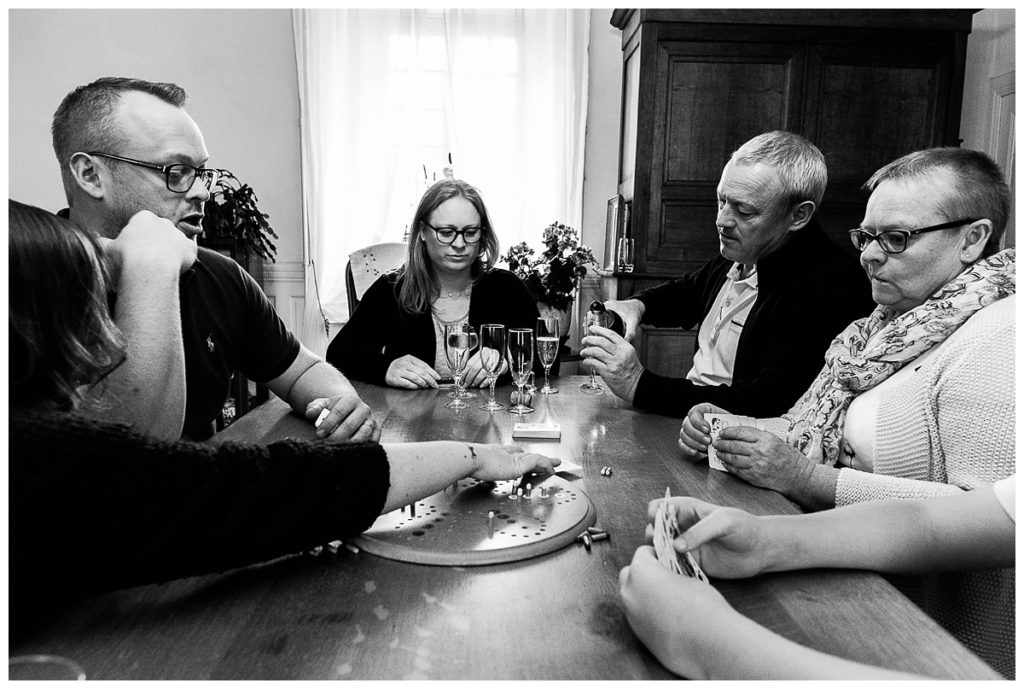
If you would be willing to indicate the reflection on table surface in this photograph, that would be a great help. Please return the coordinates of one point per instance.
(557, 616)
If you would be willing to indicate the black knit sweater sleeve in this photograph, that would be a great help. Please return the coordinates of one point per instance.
(96, 506)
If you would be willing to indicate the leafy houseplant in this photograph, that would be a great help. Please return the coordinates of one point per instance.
(232, 213)
(553, 277)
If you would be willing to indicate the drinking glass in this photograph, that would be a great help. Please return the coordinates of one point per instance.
(625, 255)
(492, 350)
(520, 361)
(459, 341)
(592, 387)
(547, 349)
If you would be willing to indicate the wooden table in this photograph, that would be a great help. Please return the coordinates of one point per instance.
(558, 616)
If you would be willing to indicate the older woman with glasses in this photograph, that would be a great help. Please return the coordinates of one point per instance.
(394, 337)
(917, 399)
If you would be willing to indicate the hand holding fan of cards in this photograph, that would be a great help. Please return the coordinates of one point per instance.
(666, 528)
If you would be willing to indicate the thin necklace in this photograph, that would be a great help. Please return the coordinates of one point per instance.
(461, 292)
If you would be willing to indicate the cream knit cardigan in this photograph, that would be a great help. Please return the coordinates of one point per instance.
(950, 427)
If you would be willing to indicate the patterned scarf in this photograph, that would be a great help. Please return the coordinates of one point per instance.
(871, 349)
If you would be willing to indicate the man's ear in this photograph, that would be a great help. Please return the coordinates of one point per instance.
(975, 239)
(801, 215)
(86, 174)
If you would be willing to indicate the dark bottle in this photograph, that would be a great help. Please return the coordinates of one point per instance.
(607, 318)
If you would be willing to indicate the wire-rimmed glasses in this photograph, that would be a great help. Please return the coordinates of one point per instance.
(547, 349)
(492, 354)
(459, 342)
(592, 387)
(178, 176)
(896, 241)
(520, 361)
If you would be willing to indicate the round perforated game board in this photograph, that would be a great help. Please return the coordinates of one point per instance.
(452, 527)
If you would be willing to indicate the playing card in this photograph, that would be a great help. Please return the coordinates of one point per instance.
(720, 421)
(717, 422)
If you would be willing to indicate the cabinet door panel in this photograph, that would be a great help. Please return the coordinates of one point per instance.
(867, 105)
(708, 99)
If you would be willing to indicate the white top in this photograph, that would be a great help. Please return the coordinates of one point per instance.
(720, 331)
(1006, 493)
(858, 444)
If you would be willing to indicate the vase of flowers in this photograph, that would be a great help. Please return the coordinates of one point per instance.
(554, 276)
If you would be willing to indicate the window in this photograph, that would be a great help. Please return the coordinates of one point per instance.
(386, 97)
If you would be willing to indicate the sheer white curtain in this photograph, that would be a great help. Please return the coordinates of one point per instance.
(387, 95)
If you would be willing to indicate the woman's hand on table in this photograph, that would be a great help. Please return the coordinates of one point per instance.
(681, 620)
(694, 435)
(475, 376)
(501, 462)
(763, 459)
(726, 542)
(411, 373)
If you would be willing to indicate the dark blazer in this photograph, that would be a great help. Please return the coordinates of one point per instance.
(807, 292)
(379, 332)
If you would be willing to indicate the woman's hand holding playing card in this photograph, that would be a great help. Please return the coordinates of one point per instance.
(761, 458)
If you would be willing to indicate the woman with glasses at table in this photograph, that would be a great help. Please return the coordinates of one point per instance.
(394, 337)
(97, 506)
(917, 399)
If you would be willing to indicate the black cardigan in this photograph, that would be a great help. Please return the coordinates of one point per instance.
(96, 506)
(807, 292)
(380, 332)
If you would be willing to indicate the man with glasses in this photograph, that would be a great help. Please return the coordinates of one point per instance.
(133, 164)
(766, 308)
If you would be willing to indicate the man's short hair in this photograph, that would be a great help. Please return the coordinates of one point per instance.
(800, 164)
(980, 192)
(84, 119)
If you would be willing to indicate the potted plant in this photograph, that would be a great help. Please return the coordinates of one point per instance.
(232, 214)
(553, 277)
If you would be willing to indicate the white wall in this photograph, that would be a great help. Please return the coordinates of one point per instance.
(602, 144)
(986, 121)
(601, 166)
(238, 67)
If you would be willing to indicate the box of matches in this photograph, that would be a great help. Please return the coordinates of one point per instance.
(536, 430)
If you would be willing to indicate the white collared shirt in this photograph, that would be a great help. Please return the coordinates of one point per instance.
(719, 333)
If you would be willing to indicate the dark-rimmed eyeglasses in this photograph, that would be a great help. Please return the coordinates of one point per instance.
(895, 241)
(179, 176)
(447, 235)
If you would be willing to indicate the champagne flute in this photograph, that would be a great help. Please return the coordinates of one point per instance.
(592, 387)
(492, 350)
(459, 341)
(520, 361)
(547, 349)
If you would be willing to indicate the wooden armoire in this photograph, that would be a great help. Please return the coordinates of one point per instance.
(865, 86)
